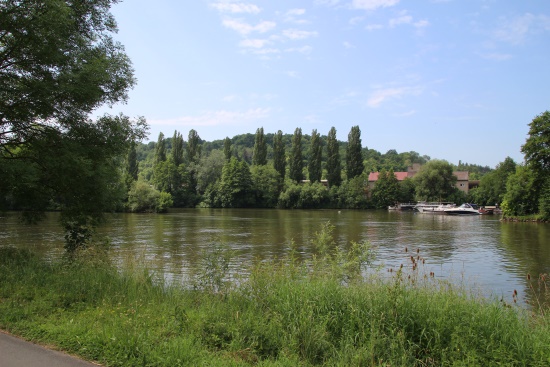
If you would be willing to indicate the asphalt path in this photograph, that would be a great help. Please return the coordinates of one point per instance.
(15, 352)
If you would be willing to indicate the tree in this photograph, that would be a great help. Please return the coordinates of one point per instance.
(227, 148)
(296, 163)
(537, 145)
(521, 197)
(537, 157)
(259, 156)
(265, 184)
(315, 157)
(132, 167)
(160, 149)
(435, 181)
(354, 157)
(177, 148)
(209, 170)
(279, 158)
(334, 171)
(386, 191)
(235, 187)
(58, 63)
(75, 171)
(193, 147)
(492, 185)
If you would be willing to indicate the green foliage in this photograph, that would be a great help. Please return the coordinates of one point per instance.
(296, 163)
(227, 148)
(290, 197)
(164, 202)
(235, 189)
(351, 194)
(59, 63)
(209, 170)
(143, 198)
(132, 167)
(177, 148)
(313, 196)
(537, 145)
(259, 156)
(492, 186)
(334, 171)
(354, 156)
(160, 149)
(193, 147)
(522, 193)
(279, 156)
(386, 192)
(435, 181)
(315, 157)
(407, 191)
(304, 196)
(265, 184)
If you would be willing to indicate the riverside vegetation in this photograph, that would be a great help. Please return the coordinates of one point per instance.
(332, 309)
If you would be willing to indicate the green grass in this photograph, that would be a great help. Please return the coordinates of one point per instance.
(285, 313)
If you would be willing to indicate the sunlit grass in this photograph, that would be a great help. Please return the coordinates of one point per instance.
(324, 311)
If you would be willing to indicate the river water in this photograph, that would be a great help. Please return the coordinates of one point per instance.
(481, 251)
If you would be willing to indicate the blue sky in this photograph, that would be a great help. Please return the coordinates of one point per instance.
(451, 79)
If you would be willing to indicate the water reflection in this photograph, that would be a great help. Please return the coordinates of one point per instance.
(479, 249)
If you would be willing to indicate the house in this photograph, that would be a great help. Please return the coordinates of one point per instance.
(462, 182)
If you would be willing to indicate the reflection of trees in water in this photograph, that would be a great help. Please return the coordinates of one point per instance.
(528, 246)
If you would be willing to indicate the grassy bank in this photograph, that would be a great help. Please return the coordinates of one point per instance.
(286, 313)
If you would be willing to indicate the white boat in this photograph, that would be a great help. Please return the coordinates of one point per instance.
(464, 209)
(433, 207)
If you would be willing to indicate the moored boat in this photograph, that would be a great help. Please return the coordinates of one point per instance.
(464, 209)
(433, 207)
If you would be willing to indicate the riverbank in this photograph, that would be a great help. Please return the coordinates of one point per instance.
(321, 312)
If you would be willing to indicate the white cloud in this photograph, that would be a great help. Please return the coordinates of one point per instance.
(326, 2)
(403, 19)
(421, 23)
(372, 4)
(305, 50)
(515, 30)
(372, 27)
(293, 12)
(236, 8)
(254, 43)
(245, 28)
(296, 34)
(215, 118)
(348, 45)
(405, 114)
(497, 56)
(382, 95)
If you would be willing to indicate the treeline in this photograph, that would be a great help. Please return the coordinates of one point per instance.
(296, 171)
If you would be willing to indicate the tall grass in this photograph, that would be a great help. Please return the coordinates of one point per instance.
(324, 311)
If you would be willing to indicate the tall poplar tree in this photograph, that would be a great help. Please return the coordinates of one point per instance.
(279, 159)
(160, 149)
(334, 169)
(315, 157)
(227, 148)
(296, 163)
(193, 147)
(177, 149)
(132, 163)
(354, 157)
(259, 155)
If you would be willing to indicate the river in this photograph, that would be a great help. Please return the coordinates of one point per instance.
(485, 253)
